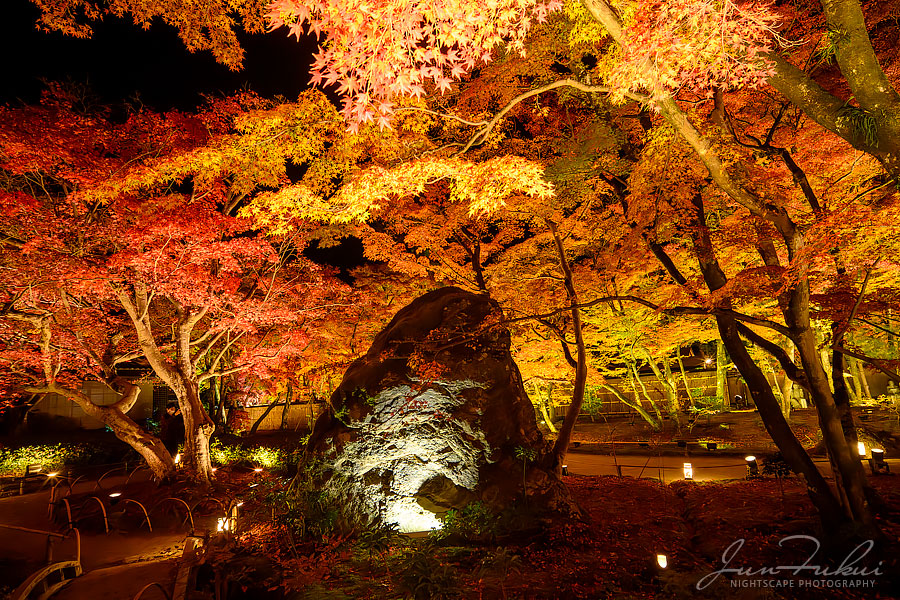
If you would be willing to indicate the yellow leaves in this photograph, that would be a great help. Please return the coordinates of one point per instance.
(484, 186)
(586, 31)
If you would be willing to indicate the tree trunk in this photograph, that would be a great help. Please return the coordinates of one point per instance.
(197, 429)
(150, 447)
(770, 412)
(637, 383)
(669, 389)
(785, 402)
(844, 458)
(262, 418)
(722, 376)
(565, 432)
(684, 379)
(637, 407)
(787, 386)
(288, 398)
(859, 385)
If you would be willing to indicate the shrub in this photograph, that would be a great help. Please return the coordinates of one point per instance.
(424, 577)
(475, 522)
(54, 457)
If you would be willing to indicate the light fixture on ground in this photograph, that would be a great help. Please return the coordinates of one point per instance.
(257, 469)
(565, 469)
(53, 474)
(877, 463)
(178, 458)
(862, 448)
(688, 471)
(662, 561)
(752, 467)
(115, 494)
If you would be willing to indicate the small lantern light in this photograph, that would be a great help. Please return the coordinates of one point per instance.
(222, 525)
(708, 361)
(877, 463)
(565, 469)
(178, 458)
(862, 448)
(662, 561)
(688, 471)
(257, 470)
(52, 474)
(752, 467)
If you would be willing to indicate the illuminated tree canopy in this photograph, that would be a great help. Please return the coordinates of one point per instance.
(729, 165)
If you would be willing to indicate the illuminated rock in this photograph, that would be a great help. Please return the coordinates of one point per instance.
(430, 419)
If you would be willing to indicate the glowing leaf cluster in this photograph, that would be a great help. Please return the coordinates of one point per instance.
(208, 25)
(379, 49)
(484, 186)
(674, 44)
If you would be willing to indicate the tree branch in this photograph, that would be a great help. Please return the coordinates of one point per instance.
(793, 373)
(872, 361)
(481, 135)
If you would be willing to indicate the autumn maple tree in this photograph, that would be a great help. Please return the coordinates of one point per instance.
(106, 263)
(756, 234)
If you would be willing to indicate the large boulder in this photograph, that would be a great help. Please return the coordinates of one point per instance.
(433, 417)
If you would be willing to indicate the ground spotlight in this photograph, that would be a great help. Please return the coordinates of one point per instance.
(688, 471)
(752, 467)
(877, 463)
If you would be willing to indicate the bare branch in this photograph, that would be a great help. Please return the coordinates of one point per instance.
(481, 135)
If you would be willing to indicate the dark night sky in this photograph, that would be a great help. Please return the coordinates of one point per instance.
(122, 59)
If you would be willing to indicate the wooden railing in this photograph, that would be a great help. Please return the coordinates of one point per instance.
(46, 581)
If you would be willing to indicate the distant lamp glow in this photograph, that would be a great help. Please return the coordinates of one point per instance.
(565, 469)
(688, 471)
(115, 494)
(241, 503)
(257, 470)
(53, 474)
(223, 524)
(752, 466)
(214, 469)
(178, 458)
(708, 361)
(862, 448)
(662, 561)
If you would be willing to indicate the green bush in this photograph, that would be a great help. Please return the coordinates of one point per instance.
(424, 577)
(13, 461)
(223, 453)
(304, 508)
(475, 522)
